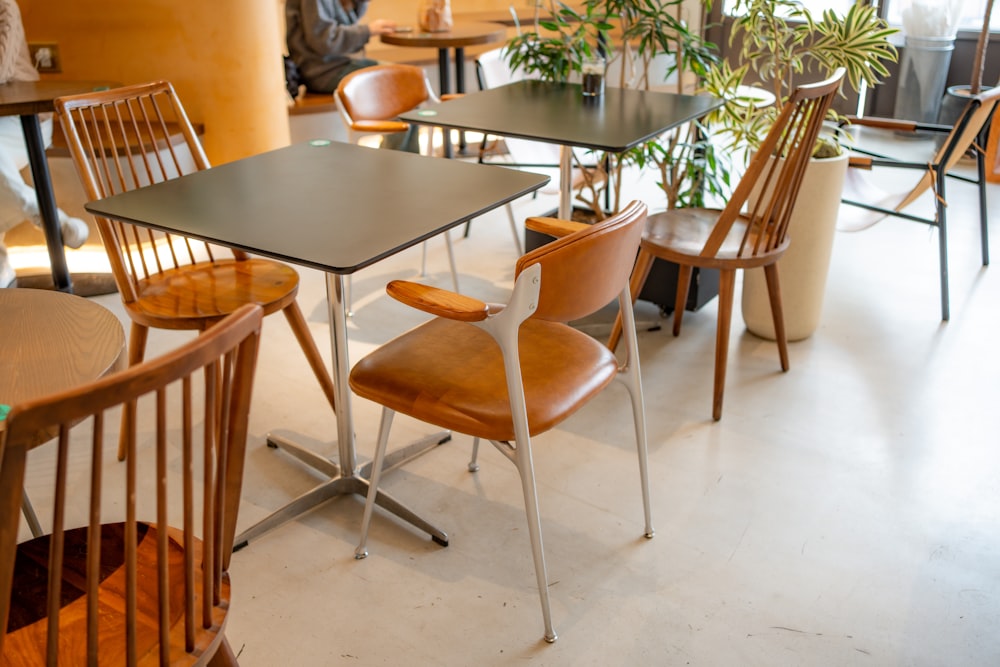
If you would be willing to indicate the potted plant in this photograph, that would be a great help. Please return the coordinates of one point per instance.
(645, 43)
(782, 42)
(638, 37)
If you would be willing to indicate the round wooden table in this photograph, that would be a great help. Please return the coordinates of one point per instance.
(460, 36)
(50, 342)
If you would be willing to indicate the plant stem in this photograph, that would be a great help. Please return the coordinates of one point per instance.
(979, 62)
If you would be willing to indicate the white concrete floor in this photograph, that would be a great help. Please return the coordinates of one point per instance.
(844, 513)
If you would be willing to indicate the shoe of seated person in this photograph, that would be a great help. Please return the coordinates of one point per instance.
(74, 231)
(7, 276)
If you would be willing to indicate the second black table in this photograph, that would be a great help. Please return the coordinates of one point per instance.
(558, 113)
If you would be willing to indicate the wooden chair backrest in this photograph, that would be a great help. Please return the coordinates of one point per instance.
(193, 459)
(124, 138)
(585, 271)
(382, 92)
(767, 192)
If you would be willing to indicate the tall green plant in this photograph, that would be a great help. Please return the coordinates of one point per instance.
(782, 39)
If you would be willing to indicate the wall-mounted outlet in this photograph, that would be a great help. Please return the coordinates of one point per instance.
(45, 57)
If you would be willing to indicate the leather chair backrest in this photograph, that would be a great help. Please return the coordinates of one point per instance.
(585, 271)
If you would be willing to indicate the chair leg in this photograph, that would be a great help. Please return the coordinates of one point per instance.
(526, 469)
(984, 234)
(301, 330)
(451, 260)
(347, 294)
(942, 224)
(224, 656)
(777, 312)
(366, 519)
(684, 273)
(513, 229)
(474, 461)
(640, 272)
(727, 284)
(136, 352)
(630, 376)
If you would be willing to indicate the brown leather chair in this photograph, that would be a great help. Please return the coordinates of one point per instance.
(114, 580)
(127, 137)
(751, 232)
(506, 373)
(371, 99)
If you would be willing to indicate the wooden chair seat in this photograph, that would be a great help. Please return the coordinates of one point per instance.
(562, 369)
(27, 626)
(727, 239)
(197, 296)
(680, 234)
(145, 580)
(124, 137)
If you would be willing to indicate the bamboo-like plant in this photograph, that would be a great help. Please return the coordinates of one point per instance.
(780, 40)
(979, 60)
(636, 33)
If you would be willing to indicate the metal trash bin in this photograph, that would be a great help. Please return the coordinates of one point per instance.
(922, 77)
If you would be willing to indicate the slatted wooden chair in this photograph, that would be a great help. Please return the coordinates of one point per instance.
(134, 566)
(751, 232)
(506, 373)
(123, 138)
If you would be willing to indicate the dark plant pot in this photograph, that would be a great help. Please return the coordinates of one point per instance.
(952, 104)
(661, 286)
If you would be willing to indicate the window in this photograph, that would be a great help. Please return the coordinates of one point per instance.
(815, 7)
(968, 13)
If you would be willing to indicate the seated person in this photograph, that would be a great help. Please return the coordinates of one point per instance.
(322, 37)
(325, 41)
(17, 198)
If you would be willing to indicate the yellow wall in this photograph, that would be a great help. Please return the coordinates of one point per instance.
(223, 56)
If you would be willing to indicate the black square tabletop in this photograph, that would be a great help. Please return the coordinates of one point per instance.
(332, 206)
(559, 113)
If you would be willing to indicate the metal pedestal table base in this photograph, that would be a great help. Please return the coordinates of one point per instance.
(339, 484)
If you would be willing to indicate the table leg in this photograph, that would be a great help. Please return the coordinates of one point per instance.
(566, 182)
(46, 202)
(347, 477)
(460, 88)
(444, 77)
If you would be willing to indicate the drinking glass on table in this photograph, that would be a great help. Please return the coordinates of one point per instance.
(592, 69)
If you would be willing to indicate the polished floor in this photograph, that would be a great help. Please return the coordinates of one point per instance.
(844, 513)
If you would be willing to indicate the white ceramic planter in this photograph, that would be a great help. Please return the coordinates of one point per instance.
(803, 268)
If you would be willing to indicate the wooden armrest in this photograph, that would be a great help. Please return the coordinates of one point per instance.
(554, 226)
(439, 302)
(884, 123)
(451, 96)
(859, 162)
(380, 126)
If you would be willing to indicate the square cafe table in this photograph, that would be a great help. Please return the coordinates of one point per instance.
(338, 208)
(558, 113)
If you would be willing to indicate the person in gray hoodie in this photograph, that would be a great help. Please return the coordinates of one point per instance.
(326, 41)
